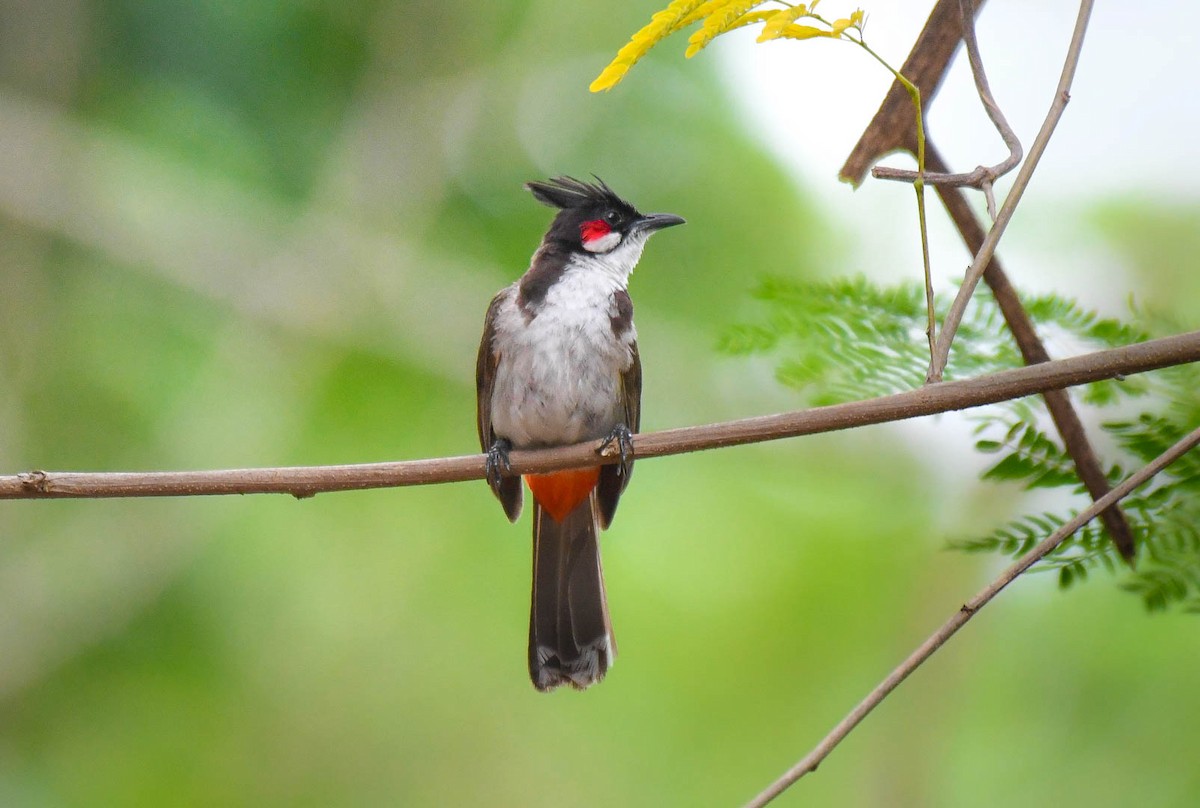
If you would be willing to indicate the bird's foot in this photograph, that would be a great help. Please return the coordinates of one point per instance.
(497, 465)
(619, 441)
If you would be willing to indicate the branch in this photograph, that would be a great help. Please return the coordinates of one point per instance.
(927, 400)
(1065, 419)
(965, 613)
(983, 176)
(1061, 96)
(891, 129)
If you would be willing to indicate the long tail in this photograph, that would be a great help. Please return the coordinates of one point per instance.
(570, 634)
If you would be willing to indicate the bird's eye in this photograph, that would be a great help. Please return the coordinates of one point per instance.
(612, 217)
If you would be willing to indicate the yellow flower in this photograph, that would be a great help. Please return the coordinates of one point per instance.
(802, 32)
(781, 19)
(723, 18)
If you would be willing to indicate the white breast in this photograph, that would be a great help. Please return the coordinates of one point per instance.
(559, 376)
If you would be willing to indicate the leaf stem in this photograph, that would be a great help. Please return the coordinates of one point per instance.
(914, 93)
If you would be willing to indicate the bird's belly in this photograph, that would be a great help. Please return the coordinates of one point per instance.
(558, 386)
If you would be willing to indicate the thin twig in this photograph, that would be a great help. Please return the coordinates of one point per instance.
(983, 176)
(975, 272)
(990, 197)
(926, 400)
(892, 127)
(968, 610)
(930, 306)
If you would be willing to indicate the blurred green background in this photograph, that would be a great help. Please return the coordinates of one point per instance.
(259, 233)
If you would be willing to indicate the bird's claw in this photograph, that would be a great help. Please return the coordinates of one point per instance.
(622, 438)
(497, 464)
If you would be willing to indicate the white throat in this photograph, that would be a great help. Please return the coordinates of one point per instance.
(617, 264)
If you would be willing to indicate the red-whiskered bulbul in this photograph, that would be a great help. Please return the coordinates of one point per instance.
(558, 364)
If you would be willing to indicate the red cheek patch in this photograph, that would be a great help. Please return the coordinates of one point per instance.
(590, 231)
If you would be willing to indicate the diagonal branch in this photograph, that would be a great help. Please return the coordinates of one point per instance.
(965, 613)
(926, 400)
(1065, 419)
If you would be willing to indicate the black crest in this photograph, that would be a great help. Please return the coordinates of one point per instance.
(567, 193)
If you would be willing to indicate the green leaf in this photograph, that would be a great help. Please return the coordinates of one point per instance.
(1012, 467)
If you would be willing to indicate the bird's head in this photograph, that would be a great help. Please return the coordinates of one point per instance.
(593, 219)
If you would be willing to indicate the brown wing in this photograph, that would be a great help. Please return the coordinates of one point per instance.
(485, 375)
(613, 478)
(507, 489)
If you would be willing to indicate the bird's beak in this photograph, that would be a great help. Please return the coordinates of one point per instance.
(657, 221)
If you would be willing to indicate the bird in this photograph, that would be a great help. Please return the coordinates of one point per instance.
(558, 364)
